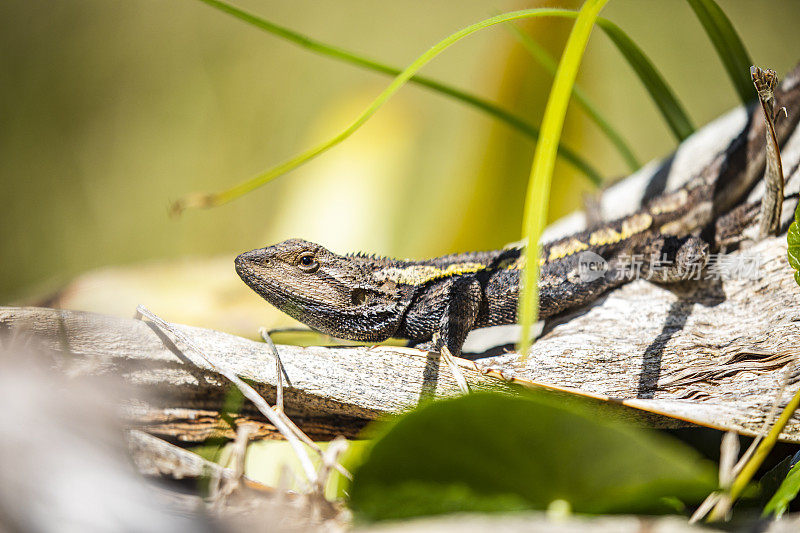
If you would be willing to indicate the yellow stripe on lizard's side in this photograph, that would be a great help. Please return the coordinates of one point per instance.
(572, 246)
(630, 226)
(421, 274)
(669, 203)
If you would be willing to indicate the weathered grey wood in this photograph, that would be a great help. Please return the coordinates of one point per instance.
(188, 424)
(588, 354)
(155, 457)
(342, 382)
(717, 352)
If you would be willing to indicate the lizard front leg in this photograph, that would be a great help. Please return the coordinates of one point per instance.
(450, 324)
(460, 314)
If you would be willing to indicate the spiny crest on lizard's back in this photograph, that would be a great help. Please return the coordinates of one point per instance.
(370, 257)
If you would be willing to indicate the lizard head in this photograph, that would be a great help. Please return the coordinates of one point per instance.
(332, 293)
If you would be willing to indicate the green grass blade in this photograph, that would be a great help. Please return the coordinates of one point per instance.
(350, 57)
(203, 200)
(665, 100)
(544, 161)
(581, 98)
(658, 89)
(671, 109)
(729, 46)
(515, 121)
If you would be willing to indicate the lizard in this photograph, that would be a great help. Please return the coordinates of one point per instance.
(434, 303)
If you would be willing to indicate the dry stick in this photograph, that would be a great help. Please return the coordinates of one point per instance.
(704, 508)
(223, 488)
(320, 506)
(445, 354)
(281, 370)
(456, 371)
(330, 459)
(729, 450)
(772, 202)
(239, 452)
(249, 393)
(289, 423)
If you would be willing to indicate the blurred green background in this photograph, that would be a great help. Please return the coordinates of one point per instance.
(109, 110)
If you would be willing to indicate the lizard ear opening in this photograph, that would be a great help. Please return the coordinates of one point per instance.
(359, 296)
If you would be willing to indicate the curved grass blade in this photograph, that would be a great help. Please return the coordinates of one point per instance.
(341, 54)
(671, 109)
(665, 100)
(204, 200)
(729, 46)
(581, 98)
(657, 87)
(544, 161)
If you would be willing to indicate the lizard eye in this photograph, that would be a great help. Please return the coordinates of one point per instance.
(307, 262)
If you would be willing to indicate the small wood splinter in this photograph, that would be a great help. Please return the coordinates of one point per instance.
(771, 204)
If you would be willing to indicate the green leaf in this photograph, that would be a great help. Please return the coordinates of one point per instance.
(489, 452)
(793, 239)
(769, 482)
(729, 46)
(787, 492)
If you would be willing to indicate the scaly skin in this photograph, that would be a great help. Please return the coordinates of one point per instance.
(432, 303)
(436, 302)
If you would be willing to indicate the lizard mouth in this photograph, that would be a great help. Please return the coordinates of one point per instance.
(245, 267)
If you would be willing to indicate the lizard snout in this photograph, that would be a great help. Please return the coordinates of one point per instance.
(248, 259)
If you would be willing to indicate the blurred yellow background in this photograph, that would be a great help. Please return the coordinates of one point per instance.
(109, 110)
